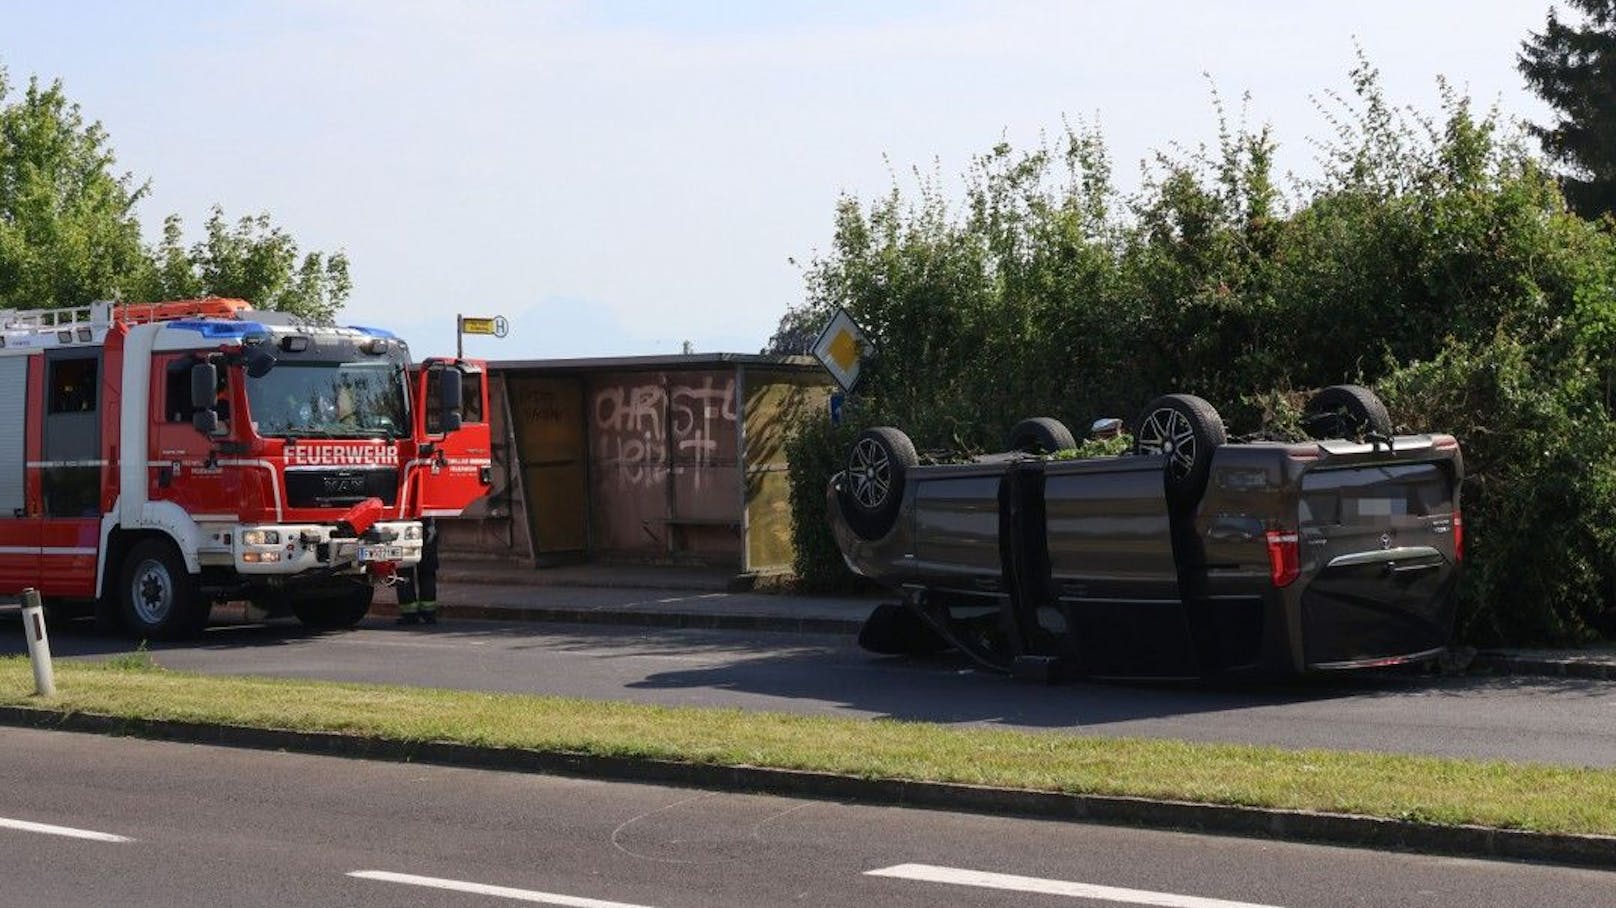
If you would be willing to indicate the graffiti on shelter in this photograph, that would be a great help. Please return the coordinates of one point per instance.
(544, 406)
(647, 430)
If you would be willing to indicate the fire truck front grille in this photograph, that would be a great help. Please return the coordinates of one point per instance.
(340, 487)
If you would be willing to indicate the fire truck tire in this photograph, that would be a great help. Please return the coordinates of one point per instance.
(334, 610)
(157, 597)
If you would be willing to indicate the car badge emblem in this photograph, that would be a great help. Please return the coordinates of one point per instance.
(1385, 540)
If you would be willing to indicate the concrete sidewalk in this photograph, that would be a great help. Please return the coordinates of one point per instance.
(688, 597)
(651, 595)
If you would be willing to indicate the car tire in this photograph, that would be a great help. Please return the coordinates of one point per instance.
(1346, 411)
(337, 609)
(871, 486)
(1040, 435)
(158, 599)
(1185, 431)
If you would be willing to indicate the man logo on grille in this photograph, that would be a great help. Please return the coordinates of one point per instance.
(1385, 540)
(343, 485)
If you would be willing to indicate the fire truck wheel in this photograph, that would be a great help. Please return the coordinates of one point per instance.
(158, 597)
(340, 608)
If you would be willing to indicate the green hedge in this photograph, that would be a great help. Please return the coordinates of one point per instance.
(1432, 258)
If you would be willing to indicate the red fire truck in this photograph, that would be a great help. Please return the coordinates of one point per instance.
(158, 458)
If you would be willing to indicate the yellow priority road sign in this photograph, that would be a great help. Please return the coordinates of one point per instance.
(842, 349)
(495, 325)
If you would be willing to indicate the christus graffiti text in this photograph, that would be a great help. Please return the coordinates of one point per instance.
(646, 430)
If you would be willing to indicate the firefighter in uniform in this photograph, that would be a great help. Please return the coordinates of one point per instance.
(418, 586)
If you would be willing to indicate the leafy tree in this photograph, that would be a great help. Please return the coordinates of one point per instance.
(1573, 68)
(252, 259)
(796, 333)
(69, 234)
(1433, 257)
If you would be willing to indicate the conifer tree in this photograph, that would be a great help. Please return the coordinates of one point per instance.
(1572, 66)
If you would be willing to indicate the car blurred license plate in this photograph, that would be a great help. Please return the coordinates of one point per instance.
(1381, 507)
(381, 553)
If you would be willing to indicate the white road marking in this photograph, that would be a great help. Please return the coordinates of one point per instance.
(932, 874)
(504, 892)
(68, 831)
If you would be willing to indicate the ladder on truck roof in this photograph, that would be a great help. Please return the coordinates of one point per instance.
(211, 307)
(88, 324)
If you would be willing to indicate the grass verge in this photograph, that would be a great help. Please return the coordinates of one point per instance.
(1428, 789)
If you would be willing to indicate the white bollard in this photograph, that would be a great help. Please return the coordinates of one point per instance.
(33, 626)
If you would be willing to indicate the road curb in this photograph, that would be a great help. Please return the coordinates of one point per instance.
(640, 618)
(604, 581)
(1324, 828)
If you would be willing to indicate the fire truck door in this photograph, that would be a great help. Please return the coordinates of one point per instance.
(458, 471)
(179, 451)
(19, 523)
(70, 472)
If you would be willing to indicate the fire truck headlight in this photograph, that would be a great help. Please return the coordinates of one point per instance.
(260, 557)
(261, 537)
(413, 531)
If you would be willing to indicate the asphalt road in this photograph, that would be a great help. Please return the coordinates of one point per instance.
(1549, 720)
(206, 826)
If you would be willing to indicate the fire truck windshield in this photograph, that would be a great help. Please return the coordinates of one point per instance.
(329, 400)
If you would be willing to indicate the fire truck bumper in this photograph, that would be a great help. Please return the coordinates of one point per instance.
(287, 549)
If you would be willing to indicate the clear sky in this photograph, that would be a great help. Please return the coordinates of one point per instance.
(618, 177)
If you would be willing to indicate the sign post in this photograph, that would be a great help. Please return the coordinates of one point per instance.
(494, 325)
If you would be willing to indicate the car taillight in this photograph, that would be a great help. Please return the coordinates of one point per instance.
(1284, 557)
(1458, 537)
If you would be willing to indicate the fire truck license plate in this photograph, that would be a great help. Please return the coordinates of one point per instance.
(381, 553)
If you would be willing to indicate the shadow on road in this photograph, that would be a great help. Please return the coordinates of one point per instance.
(812, 673)
(949, 689)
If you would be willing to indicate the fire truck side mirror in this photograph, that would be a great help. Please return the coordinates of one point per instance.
(204, 385)
(204, 390)
(450, 398)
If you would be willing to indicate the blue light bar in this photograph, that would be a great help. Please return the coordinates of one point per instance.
(373, 332)
(215, 329)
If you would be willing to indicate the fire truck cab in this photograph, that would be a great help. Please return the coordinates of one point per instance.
(158, 458)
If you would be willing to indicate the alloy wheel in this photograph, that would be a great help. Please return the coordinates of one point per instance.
(1169, 432)
(870, 471)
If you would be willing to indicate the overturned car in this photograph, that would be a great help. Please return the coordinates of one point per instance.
(1188, 556)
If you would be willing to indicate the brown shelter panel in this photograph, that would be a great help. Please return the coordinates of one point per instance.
(775, 403)
(664, 468)
(549, 419)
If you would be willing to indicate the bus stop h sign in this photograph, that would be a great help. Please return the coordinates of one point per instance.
(842, 349)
